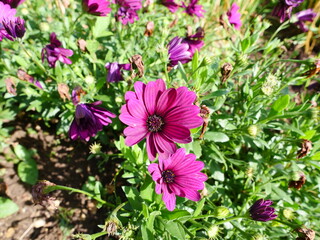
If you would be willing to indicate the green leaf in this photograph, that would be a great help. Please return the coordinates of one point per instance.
(199, 208)
(308, 134)
(282, 194)
(100, 28)
(281, 103)
(92, 46)
(133, 197)
(146, 233)
(176, 214)
(7, 207)
(316, 156)
(21, 152)
(150, 222)
(147, 189)
(217, 93)
(176, 230)
(28, 172)
(216, 137)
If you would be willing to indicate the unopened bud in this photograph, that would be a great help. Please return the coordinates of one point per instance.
(213, 232)
(89, 80)
(241, 59)
(258, 236)
(44, 27)
(253, 130)
(249, 172)
(221, 212)
(288, 214)
(95, 148)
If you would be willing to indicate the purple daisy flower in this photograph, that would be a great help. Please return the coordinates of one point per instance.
(133, 4)
(234, 16)
(284, 8)
(178, 51)
(114, 69)
(12, 3)
(193, 8)
(89, 119)
(126, 15)
(53, 52)
(162, 116)
(96, 7)
(179, 175)
(14, 27)
(195, 41)
(260, 211)
(171, 5)
(6, 13)
(305, 16)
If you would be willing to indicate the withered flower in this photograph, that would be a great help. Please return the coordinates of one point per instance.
(63, 90)
(305, 234)
(149, 29)
(111, 225)
(204, 113)
(305, 148)
(136, 64)
(24, 76)
(11, 86)
(298, 183)
(226, 70)
(82, 44)
(39, 197)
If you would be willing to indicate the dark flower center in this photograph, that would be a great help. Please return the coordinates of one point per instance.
(168, 176)
(154, 123)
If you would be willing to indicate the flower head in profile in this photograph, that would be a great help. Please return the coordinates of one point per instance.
(171, 5)
(126, 15)
(114, 71)
(89, 119)
(12, 3)
(195, 41)
(54, 52)
(132, 4)
(178, 175)
(234, 16)
(178, 51)
(284, 8)
(193, 9)
(14, 27)
(261, 211)
(162, 116)
(96, 7)
(304, 16)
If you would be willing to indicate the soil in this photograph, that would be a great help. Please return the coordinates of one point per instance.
(62, 162)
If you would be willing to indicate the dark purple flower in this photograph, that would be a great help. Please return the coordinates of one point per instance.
(178, 51)
(114, 74)
(162, 116)
(284, 8)
(234, 16)
(126, 15)
(89, 119)
(171, 5)
(53, 52)
(260, 211)
(12, 3)
(195, 41)
(179, 175)
(193, 8)
(96, 7)
(14, 27)
(6, 13)
(133, 4)
(305, 16)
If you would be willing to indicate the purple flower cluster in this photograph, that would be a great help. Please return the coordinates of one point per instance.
(11, 27)
(54, 52)
(261, 211)
(192, 9)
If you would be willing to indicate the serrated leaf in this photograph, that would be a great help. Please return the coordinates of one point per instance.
(7, 207)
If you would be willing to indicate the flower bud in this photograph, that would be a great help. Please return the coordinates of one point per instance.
(253, 130)
(288, 214)
(241, 59)
(258, 236)
(44, 27)
(221, 212)
(95, 148)
(213, 232)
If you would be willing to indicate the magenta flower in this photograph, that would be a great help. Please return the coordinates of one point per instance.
(179, 175)
(132, 4)
(193, 8)
(114, 69)
(284, 8)
(12, 3)
(162, 116)
(305, 16)
(14, 27)
(234, 16)
(53, 52)
(171, 5)
(260, 211)
(96, 7)
(178, 51)
(126, 15)
(6, 14)
(89, 119)
(195, 41)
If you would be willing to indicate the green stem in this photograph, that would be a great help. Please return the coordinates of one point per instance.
(99, 234)
(293, 226)
(228, 220)
(166, 73)
(59, 187)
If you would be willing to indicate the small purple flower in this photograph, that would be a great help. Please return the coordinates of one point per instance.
(89, 119)
(234, 16)
(162, 116)
(96, 7)
(14, 27)
(53, 52)
(179, 175)
(126, 15)
(193, 8)
(284, 8)
(12, 3)
(132, 4)
(178, 51)
(304, 16)
(114, 69)
(195, 41)
(171, 5)
(260, 211)
(6, 13)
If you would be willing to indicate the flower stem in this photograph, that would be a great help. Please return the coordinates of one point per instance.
(59, 187)
(228, 220)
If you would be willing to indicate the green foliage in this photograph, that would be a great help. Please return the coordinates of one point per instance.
(7, 207)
